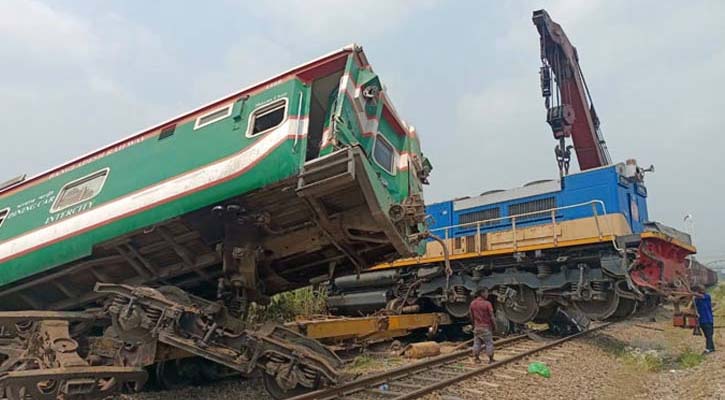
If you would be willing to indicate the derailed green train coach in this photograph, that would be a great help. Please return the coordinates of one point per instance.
(168, 235)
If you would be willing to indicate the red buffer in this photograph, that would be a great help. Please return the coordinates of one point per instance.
(661, 265)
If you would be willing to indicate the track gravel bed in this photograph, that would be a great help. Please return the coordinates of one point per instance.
(229, 389)
(596, 367)
(588, 368)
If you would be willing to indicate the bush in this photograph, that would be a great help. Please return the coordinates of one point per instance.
(361, 361)
(689, 359)
(647, 360)
(288, 306)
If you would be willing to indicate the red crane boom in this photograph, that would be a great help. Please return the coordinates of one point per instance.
(569, 106)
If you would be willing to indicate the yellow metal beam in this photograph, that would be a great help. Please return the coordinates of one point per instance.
(368, 328)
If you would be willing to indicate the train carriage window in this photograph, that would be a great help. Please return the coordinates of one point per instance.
(213, 116)
(3, 215)
(384, 153)
(80, 190)
(267, 118)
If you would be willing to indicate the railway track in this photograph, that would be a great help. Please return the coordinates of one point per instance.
(416, 380)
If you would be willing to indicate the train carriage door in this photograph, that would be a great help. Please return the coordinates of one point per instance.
(355, 108)
(322, 102)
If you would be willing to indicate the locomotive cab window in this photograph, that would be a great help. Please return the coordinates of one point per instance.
(3, 215)
(80, 190)
(267, 118)
(384, 153)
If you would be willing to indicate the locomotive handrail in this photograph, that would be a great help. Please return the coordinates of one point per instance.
(513, 218)
(591, 202)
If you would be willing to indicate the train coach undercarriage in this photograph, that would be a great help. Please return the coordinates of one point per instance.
(52, 355)
(182, 289)
(586, 283)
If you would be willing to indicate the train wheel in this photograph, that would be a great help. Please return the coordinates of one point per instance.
(457, 309)
(503, 325)
(173, 374)
(626, 308)
(169, 375)
(522, 307)
(599, 310)
(546, 313)
(276, 391)
(648, 306)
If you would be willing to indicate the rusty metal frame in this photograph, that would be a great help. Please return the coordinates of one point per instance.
(42, 361)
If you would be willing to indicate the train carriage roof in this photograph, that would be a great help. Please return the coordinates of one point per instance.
(320, 66)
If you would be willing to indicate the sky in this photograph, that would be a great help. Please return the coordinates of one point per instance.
(77, 75)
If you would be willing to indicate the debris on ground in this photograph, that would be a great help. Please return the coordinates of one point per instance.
(539, 368)
(422, 350)
(627, 360)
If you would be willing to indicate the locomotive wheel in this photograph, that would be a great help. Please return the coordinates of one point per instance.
(458, 309)
(521, 307)
(277, 393)
(503, 325)
(648, 306)
(599, 310)
(545, 313)
(626, 308)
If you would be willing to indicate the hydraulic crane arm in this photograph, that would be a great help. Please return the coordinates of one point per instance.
(570, 110)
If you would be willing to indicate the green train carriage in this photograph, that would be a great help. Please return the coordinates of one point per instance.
(305, 175)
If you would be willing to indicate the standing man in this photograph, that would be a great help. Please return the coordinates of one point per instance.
(703, 303)
(484, 324)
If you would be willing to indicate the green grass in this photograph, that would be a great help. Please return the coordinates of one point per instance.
(664, 352)
(288, 306)
(645, 356)
(646, 361)
(361, 361)
(689, 359)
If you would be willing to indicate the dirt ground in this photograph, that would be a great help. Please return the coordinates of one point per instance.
(628, 361)
(635, 359)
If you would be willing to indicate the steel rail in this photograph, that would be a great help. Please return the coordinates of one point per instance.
(466, 375)
(389, 377)
(396, 373)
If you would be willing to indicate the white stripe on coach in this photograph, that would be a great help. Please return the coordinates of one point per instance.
(133, 202)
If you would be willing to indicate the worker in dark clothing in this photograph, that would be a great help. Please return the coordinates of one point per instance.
(484, 324)
(703, 303)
